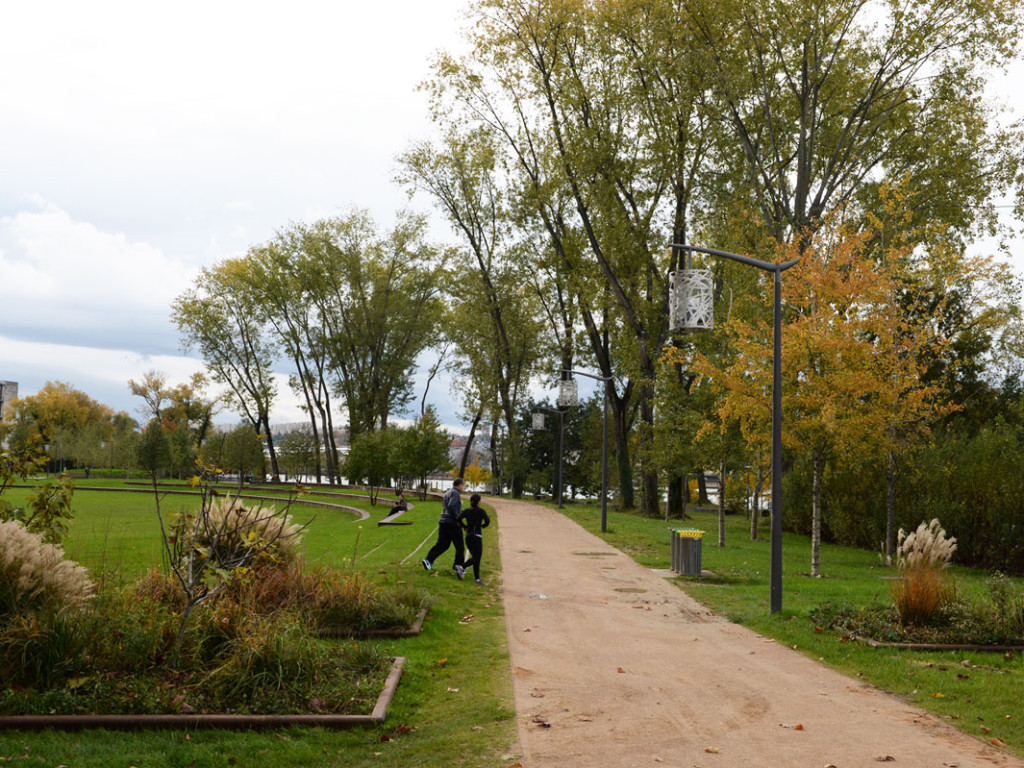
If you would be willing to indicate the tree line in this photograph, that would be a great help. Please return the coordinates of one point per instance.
(575, 142)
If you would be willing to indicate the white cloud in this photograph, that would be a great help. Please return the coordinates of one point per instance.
(63, 276)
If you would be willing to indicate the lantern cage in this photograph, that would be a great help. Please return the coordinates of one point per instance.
(691, 300)
(568, 393)
(538, 421)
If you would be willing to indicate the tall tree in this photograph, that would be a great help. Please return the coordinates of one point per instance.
(225, 320)
(278, 277)
(595, 105)
(826, 100)
(493, 319)
(379, 307)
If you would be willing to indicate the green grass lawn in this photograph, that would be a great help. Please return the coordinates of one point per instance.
(454, 704)
(978, 692)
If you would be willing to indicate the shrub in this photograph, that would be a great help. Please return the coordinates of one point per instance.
(228, 530)
(348, 600)
(41, 649)
(921, 556)
(34, 574)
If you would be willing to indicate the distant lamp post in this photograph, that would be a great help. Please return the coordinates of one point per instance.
(561, 433)
(691, 309)
(604, 443)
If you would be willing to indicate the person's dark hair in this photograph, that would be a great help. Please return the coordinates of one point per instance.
(474, 499)
(458, 481)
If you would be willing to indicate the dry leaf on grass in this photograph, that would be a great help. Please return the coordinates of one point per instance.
(997, 743)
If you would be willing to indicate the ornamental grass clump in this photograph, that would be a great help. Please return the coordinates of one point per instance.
(921, 558)
(35, 575)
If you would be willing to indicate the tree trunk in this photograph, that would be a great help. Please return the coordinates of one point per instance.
(890, 510)
(469, 443)
(275, 472)
(755, 510)
(702, 490)
(819, 469)
(676, 506)
(626, 498)
(721, 503)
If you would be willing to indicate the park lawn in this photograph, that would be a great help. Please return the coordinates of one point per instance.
(454, 704)
(978, 692)
(117, 532)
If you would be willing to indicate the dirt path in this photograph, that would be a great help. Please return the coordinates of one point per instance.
(614, 667)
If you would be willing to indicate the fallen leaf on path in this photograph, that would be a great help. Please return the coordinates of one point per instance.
(537, 719)
(997, 743)
(885, 759)
(797, 727)
(622, 671)
(711, 750)
(537, 695)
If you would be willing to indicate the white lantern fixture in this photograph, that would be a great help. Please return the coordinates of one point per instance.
(568, 393)
(691, 300)
(538, 421)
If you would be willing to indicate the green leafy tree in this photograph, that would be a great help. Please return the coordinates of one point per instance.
(299, 453)
(824, 102)
(371, 460)
(225, 320)
(378, 305)
(47, 509)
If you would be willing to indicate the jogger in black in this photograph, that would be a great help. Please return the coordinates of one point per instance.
(449, 531)
(474, 520)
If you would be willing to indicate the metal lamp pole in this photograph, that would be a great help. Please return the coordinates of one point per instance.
(775, 596)
(561, 432)
(604, 444)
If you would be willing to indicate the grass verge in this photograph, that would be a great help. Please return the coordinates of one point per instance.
(454, 704)
(977, 692)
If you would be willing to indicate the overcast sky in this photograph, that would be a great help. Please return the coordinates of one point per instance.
(140, 142)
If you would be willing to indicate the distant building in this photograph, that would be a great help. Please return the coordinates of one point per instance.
(8, 391)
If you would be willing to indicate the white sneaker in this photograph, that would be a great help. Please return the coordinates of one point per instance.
(460, 572)
(426, 565)
(480, 582)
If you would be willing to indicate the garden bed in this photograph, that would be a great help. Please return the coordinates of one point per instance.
(364, 634)
(222, 721)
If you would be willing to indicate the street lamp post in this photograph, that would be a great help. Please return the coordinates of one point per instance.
(604, 444)
(775, 596)
(561, 432)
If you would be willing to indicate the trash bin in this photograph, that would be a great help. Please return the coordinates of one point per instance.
(686, 549)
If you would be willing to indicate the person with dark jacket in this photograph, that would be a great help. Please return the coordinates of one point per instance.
(474, 520)
(449, 531)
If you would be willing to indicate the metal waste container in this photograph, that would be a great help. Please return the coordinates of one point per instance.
(685, 553)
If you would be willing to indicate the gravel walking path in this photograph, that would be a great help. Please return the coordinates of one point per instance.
(615, 667)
